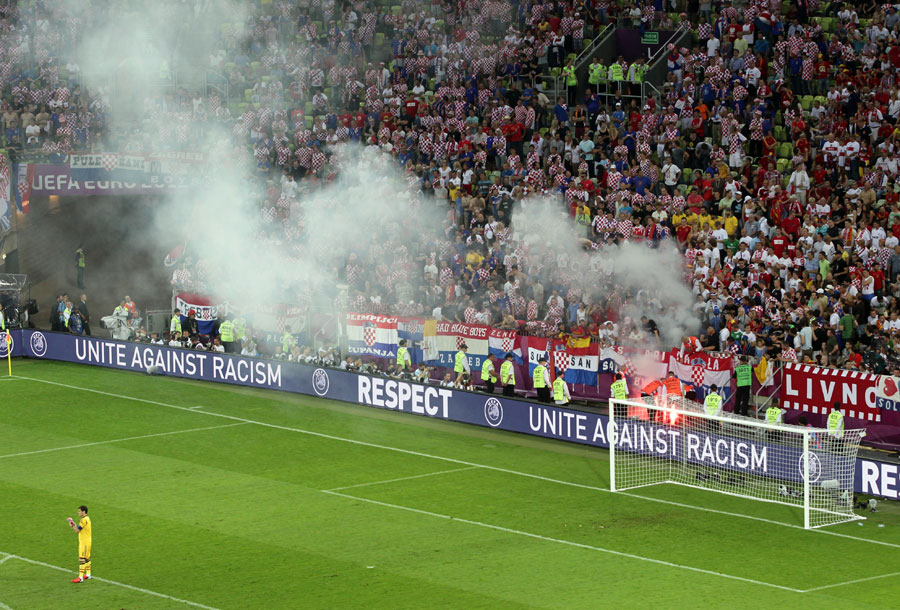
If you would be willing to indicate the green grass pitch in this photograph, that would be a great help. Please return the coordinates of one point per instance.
(222, 497)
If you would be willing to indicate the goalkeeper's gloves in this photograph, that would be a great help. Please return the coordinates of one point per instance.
(71, 522)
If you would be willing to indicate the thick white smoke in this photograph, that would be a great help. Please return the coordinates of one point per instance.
(646, 281)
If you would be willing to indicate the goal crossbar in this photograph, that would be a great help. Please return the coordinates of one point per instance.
(655, 440)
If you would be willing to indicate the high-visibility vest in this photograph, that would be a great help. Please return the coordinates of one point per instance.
(773, 415)
(538, 377)
(239, 328)
(615, 72)
(402, 355)
(507, 373)
(79, 258)
(596, 73)
(569, 73)
(175, 324)
(638, 73)
(836, 424)
(744, 375)
(287, 342)
(559, 389)
(226, 331)
(487, 371)
(459, 362)
(619, 389)
(2, 321)
(713, 403)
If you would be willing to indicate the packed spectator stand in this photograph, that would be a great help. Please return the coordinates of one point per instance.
(770, 159)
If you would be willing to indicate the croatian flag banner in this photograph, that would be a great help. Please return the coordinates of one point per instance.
(372, 335)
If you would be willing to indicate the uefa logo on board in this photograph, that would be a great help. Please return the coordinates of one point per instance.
(493, 412)
(7, 344)
(815, 466)
(320, 382)
(38, 344)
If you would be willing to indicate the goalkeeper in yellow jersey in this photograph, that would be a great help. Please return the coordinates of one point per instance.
(83, 529)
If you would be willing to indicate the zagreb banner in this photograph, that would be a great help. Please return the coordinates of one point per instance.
(698, 449)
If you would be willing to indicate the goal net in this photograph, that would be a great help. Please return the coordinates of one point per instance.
(672, 440)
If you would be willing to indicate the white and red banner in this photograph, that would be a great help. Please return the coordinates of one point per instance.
(815, 390)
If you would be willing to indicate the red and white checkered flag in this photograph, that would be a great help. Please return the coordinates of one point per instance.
(561, 361)
(109, 161)
(627, 368)
(697, 373)
(459, 342)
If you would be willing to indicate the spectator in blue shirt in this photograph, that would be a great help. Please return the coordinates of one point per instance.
(561, 111)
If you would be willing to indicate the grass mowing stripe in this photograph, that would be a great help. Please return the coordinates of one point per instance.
(415, 476)
(111, 582)
(566, 542)
(120, 440)
(457, 461)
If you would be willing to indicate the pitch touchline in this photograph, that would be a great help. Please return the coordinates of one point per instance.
(566, 542)
(456, 461)
(109, 582)
(415, 476)
(120, 440)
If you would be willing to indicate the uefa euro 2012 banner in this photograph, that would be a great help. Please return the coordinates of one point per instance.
(110, 173)
(431, 341)
(694, 447)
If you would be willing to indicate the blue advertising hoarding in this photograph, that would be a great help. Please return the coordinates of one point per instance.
(527, 417)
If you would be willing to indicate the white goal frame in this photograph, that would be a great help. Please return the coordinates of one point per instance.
(668, 431)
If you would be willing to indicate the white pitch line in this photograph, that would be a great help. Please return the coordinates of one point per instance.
(415, 476)
(508, 530)
(852, 582)
(119, 440)
(112, 582)
(4, 606)
(456, 461)
(5, 559)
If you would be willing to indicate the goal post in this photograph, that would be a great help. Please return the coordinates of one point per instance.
(656, 440)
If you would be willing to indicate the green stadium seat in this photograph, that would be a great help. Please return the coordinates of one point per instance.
(780, 134)
(379, 38)
(785, 150)
(806, 102)
(248, 93)
(782, 165)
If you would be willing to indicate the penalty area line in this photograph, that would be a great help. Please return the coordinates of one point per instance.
(112, 582)
(461, 462)
(588, 547)
(415, 476)
(119, 440)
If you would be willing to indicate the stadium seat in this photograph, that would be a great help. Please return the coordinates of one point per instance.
(309, 121)
(785, 150)
(779, 133)
(439, 23)
(248, 94)
(308, 109)
(782, 164)
(396, 10)
(806, 102)
(379, 38)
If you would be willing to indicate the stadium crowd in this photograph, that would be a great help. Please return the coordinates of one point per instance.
(770, 159)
